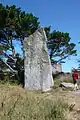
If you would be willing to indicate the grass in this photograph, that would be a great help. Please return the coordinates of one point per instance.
(19, 104)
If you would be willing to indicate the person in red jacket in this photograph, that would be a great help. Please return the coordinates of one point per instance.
(75, 76)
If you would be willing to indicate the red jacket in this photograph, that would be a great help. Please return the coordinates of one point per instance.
(75, 75)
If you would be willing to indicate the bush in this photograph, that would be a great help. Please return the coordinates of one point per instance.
(7, 79)
(1, 75)
(12, 78)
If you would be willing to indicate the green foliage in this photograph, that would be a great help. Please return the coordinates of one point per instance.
(59, 44)
(16, 24)
(8, 80)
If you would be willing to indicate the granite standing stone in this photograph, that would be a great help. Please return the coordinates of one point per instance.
(38, 70)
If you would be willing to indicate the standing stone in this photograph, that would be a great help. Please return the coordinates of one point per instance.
(38, 70)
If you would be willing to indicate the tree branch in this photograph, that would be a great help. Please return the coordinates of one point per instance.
(62, 58)
(9, 56)
(8, 66)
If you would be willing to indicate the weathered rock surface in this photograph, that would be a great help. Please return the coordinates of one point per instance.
(67, 85)
(38, 70)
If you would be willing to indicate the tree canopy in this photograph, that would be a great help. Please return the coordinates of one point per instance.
(59, 45)
(16, 24)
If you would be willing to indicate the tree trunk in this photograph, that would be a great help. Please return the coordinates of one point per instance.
(9, 67)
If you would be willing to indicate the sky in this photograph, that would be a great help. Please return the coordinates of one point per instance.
(62, 15)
